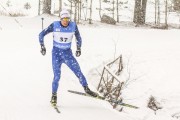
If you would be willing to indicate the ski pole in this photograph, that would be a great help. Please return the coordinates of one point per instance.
(42, 23)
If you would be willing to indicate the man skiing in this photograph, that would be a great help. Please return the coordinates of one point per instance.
(63, 32)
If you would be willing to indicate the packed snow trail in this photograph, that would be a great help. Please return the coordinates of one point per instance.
(26, 77)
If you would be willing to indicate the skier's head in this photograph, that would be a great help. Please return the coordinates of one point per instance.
(64, 14)
(65, 17)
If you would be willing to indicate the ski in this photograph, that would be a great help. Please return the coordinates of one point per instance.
(128, 105)
(56, 108)
(84, 94)
(123, 104)
(103, 98)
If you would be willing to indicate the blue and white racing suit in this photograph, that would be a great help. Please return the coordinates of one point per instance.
(62, 53)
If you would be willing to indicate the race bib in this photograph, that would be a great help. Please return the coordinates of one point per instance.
(61, 37)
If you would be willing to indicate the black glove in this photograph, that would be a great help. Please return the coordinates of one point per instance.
(78, 52)
(43, 49)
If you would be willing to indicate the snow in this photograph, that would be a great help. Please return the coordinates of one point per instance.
(150, 55)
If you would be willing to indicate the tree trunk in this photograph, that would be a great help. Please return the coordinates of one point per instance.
(117, 10)
(176, 5)
(39, 7)
(75, 12)
(86, 9)
(158, 18)
(100, 9)
(113, 9)
(137, 9)
(60, 6)
(166, 25)
(47, 6)
(140, 11)
(179, 21)
(90, 18)
(155, 12)
(143, 13)
(80, 9)
(71, 10)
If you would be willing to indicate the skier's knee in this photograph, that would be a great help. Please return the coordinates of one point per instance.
(56, 79)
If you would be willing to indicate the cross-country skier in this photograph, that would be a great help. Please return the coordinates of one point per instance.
(63, 32)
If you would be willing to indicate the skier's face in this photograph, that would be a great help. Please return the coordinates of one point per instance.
(65, 21)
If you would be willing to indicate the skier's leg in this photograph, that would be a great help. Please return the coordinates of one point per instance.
(56, 64)
(72, 63)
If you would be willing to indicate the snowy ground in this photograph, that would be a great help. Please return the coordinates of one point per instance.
(26, 75)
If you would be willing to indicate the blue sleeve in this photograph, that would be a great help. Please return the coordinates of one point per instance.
(45, 32)
(78, 37)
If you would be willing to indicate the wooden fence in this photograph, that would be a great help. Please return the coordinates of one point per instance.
(110, 85)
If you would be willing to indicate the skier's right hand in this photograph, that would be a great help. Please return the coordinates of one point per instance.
(43, 49)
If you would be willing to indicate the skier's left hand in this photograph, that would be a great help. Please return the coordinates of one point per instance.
(43, 49)
(78, 52)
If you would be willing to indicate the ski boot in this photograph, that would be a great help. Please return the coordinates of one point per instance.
(54, 99)
(89, 92)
